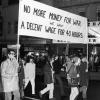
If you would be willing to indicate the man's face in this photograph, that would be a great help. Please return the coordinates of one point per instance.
(31, 60)
(11, 54)
(78, 61)
(56, 57)
(52, 60)
(84, 59)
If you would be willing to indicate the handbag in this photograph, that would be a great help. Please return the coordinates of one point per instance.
(73, 82)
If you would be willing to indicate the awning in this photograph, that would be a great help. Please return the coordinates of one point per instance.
(94, 28)
(94, 31)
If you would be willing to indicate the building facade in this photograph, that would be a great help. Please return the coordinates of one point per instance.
(86, 8)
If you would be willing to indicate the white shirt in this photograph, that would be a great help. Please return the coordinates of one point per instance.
(29, 70)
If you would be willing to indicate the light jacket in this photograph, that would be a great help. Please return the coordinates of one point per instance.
(9, 74)
(29, 70)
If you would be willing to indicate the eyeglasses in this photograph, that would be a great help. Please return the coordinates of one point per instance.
(12, 53)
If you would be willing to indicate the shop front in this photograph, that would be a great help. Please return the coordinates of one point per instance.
(94, 46)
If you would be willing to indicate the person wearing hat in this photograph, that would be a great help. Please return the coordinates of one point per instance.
(9, 74)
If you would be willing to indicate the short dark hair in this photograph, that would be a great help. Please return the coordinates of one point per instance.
(28, 58)
(9, 50)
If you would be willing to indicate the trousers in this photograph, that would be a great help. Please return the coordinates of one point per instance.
(50, 88)
(32, 83)
(83, 89)
(8, 95)
(74, 93)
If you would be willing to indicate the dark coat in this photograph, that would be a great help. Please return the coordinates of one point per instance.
(83, 74)
(21, 75)
(57, 66)
(48, 73)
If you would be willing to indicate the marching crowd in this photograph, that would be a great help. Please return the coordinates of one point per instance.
(16, 75)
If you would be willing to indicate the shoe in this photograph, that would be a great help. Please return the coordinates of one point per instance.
(52, 99)
(40, 94)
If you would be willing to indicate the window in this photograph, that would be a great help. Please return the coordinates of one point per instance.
(82, 13)
(11, 2)
(98, 14)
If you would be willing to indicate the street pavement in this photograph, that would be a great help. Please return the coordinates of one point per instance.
(93, 92)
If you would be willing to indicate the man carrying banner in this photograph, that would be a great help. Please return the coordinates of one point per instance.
(9, 74)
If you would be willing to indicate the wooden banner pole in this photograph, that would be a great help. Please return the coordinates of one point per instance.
(18, 46)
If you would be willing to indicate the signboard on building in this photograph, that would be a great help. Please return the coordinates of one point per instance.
(40, 20)
(94, 24)
(60, 41)
(94, 40)
(13, 46)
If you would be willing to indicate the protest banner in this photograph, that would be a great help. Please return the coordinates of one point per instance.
(39, 20)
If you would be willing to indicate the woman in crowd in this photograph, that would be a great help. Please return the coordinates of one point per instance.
(48, 78)
(73, 77)
(30, 71)
(83, 77)
(57, 69)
